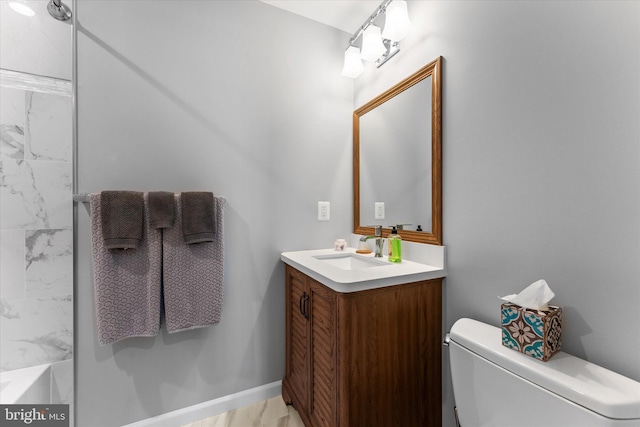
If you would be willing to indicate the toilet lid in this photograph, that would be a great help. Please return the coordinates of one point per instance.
(591, 386)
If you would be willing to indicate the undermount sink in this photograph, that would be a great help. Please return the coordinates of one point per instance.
(349, 261)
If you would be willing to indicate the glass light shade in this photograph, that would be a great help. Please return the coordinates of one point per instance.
(397, 24)
(372, 46)
(22, 8)
(352, 62)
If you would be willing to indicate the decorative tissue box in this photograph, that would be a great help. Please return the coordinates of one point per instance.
(533, 332)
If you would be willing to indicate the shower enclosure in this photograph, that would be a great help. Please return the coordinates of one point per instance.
(36, 207)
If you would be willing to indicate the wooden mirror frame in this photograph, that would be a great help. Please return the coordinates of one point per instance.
(433, 69)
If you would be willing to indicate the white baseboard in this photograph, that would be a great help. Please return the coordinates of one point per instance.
(213, 407)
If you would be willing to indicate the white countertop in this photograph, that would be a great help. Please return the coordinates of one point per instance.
(341, 280)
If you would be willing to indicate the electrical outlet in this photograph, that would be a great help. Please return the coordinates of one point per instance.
(324, 211)
(379, 210)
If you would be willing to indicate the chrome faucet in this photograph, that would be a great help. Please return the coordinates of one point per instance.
(378, 237)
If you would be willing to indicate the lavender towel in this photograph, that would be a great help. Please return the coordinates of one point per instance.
(193, 275)
(162, 209)
(122, 218)
(127, 282)
(198, 216)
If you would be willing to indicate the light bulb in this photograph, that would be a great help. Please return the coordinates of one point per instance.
(397, 24)
(352, 62)
(372, 46)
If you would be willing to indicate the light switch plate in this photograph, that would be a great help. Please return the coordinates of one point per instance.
(324, 211)
(379, 210)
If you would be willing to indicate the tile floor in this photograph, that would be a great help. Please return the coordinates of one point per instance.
(268, 413)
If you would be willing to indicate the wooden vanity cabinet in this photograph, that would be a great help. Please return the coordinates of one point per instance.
(368, 358)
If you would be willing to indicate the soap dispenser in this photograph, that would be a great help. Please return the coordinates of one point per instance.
(394, 244)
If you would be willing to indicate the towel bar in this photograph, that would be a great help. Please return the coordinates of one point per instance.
(81, 198)
(84, 198)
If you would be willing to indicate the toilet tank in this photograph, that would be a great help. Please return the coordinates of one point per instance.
(499, 387)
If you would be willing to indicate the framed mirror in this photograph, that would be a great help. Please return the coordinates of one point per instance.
(397, 159)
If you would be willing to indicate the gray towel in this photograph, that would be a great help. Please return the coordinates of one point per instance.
(193, 275)
(198, 217)
(162, 210)
(127, 283)
(122, 218)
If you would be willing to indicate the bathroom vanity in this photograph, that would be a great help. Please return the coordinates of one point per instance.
(363, 342)
(363, 335)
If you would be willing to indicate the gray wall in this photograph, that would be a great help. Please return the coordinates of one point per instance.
(541, 146)
(541, 169)
(235, 97)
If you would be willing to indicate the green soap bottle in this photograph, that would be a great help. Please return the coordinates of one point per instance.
(394, 243)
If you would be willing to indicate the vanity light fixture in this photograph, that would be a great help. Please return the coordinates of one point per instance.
(21, 7)
(376, 46)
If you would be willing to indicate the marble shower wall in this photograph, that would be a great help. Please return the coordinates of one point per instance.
(36, 225)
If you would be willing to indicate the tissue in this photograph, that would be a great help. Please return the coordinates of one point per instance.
(535, 296)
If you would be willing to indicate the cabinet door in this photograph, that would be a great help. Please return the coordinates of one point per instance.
(297, 351)
(322, 355)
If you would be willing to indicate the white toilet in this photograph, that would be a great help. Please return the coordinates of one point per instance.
(499, 387)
